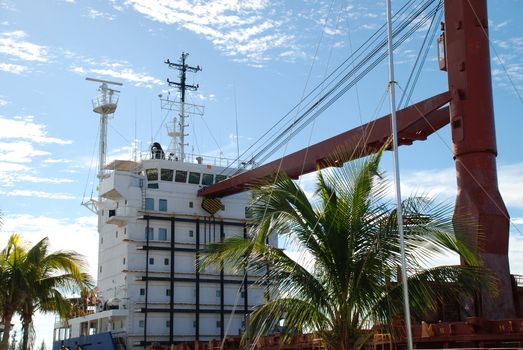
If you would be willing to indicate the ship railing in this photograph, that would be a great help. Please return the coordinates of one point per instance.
(195, 159)
(103, 100)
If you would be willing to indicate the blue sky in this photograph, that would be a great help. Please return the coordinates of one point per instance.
(258, 59)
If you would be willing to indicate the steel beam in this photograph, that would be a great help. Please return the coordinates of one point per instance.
(415, 122)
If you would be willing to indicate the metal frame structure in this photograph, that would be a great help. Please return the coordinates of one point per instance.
(466, 58)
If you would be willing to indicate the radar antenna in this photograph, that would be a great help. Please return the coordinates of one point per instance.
(177, 131)
(105, 105)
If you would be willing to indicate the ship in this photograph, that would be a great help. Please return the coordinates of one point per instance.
(153, 229)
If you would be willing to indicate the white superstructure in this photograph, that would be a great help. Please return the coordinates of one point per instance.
(152, 229)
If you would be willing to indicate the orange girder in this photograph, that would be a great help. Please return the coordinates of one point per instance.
(415, 122)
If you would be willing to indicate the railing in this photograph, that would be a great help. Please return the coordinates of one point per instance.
(193, 158)
(104, 100)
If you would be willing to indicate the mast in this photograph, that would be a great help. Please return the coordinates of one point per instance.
(478, 202)
(397, 177)
(178, 136)
(105, 105)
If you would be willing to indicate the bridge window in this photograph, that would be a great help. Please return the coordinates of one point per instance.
(154, 185)
(152, 174)
(220, 178)
(166, 174)
(194, 178)
(181, 176)
(207, 179)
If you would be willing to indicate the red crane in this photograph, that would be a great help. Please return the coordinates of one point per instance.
(471, 115)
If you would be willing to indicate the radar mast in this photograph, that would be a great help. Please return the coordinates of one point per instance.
(105, 105)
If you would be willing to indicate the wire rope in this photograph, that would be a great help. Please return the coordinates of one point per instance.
(320, 105)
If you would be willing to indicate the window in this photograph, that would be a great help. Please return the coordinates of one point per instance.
(141, 323)
(218, 293)
(220, 178)
(149, 204)
(123, 262)
(149, 234)
(181, 176)
(218, 324)
(194, 324)
(166, 174)
(162, 205)
(101, 240)
(191, 205)
(116, 234)
(125, 230)
(153, 186)
(142, 291)
(191, 233)
(152, 174)
(168, 292)
(247, 213)
(168, 324)
(166, 261)
(207, 179)
(243, 295)
(194, 178)
(100, 268)
(162, 234)
(151, 261)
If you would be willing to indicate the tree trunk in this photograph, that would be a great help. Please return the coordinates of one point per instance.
(7, 317)
(26, 328)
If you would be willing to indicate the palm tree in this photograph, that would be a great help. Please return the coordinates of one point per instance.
(36, 280)
(52, 276)
(13, 283)
(349, 229)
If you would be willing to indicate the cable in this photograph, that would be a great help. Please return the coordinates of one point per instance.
(429, 37)
(354, 55)
(496, 53)
(315, 110)
(319, 106)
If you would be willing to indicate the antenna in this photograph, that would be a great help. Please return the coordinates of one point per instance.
(105, 105)
(178, 136)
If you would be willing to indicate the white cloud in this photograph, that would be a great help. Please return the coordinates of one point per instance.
(26, 128)
(243, 29)
(3, 102)
(94, 14)
(517, 221)
(56, 161)
(117, 70)
(129, 75)
(37, 194)
(19, 152)
(13, 68)
(78, 234)
(14, 44)
(35, 179)
(442, 183)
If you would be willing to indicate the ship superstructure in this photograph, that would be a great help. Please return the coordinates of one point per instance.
(152, 230)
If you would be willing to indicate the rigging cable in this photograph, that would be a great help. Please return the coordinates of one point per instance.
(354, 55)
(421, 58)
(319, 106)
(314, 110)
(516, 91)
